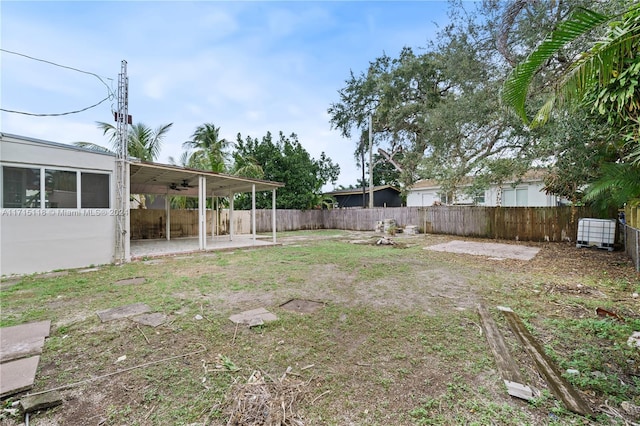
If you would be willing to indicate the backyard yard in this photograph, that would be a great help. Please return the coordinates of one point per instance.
(395, 338)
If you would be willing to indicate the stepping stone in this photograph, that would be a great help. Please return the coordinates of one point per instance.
(23, 340)
(84, 271)
(123, 312)
(152, 320)
(130, 281)
(253, 317)
(30, 404)
(53, 274)
(18, 375)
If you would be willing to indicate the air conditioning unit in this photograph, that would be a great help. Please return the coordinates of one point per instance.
(600, 233)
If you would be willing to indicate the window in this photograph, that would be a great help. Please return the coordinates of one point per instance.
(95, 191)
(478, 197)
(513, 197)
(446, 197)
(61, 189)
(20, 188)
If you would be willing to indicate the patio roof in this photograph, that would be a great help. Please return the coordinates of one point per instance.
(154, 178)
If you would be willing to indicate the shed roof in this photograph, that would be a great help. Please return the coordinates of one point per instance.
(155, 178)
(356, 191)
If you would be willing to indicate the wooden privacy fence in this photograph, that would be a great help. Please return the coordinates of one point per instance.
(632, 244)
(523, 223)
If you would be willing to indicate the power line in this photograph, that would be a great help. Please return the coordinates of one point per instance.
(56, 114)
(110, 94)
(61, 66)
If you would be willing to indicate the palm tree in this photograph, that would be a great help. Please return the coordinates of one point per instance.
(209, 148)
(608, 69)
(606, 78)
(143, 142)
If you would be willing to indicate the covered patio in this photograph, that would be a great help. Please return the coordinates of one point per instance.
(141, 249)
(161, 179)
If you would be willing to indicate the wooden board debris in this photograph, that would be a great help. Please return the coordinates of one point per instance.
(558, 384)
(507, 367)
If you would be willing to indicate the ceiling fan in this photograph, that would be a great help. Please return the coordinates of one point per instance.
(183, 186)
(175, 187)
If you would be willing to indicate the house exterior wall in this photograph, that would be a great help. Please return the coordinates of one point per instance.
(526, 194)
(43, 239)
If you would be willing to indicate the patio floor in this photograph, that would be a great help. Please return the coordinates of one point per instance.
(162, 247)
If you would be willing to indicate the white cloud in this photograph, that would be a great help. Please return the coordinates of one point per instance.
(248, 67)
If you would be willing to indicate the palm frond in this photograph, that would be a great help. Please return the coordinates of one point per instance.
(516, 86)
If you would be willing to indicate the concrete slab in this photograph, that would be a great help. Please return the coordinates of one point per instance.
(188, 245)
(152, 320)
(21, 349)
(23, 340)
(493, 250)
(123, 312)
(18, 375)
(253, 317)
(131, 281)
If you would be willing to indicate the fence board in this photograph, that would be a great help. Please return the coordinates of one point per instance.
(522, 223)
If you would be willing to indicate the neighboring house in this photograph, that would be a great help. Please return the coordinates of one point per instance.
(526, 192)
(58, 203)
(383, 196)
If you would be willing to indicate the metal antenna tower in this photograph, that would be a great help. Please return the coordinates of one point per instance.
(122, 173)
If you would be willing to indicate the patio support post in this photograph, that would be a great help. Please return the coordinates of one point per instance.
(167, 209)
(202, 212)
(253, 211)
(213, 214)
(273, 213)
(231, 227)
(127, 213)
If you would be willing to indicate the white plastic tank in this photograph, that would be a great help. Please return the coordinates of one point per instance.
(600, 233)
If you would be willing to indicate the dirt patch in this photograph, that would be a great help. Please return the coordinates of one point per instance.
(303, 306)
(396, 342)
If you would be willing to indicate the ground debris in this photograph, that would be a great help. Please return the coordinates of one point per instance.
(266, 402)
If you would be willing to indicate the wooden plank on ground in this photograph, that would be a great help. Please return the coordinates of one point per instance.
(505, 363)
(558, 384)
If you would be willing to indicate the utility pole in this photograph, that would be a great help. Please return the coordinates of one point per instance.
(370, 161)
(122, 171)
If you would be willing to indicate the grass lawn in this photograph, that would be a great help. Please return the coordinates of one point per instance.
(397, 341)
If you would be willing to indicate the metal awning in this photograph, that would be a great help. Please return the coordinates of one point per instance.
(154, 178)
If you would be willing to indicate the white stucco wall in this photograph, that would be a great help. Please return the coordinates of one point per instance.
(535, 196)
(44, 239)
(422, 197)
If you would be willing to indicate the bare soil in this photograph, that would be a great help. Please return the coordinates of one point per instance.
(362, 372)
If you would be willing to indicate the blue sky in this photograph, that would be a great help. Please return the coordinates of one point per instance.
(247, 67)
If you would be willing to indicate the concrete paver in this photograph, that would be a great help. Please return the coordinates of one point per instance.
(123, 312)
(18, 375)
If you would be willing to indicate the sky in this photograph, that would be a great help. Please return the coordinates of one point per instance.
(247, 67)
